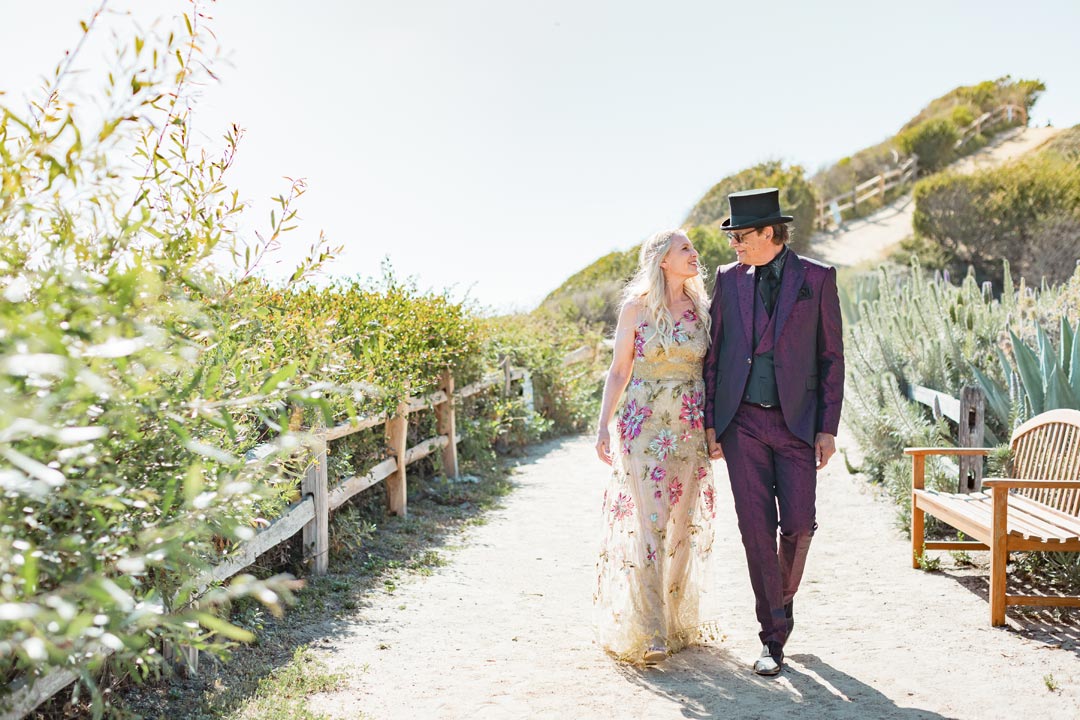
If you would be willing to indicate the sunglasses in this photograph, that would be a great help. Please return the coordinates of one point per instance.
(740, 238)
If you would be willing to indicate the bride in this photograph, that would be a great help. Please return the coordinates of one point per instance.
(659, 505)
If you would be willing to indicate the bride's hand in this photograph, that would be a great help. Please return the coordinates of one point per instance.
(603, 445)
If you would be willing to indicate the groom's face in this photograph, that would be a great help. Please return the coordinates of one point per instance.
(753, 246)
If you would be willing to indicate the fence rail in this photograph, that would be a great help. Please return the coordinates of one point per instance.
(311, 514)
(828, 211)
(969, 413)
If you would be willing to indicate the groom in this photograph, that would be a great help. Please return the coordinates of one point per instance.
(774, 383)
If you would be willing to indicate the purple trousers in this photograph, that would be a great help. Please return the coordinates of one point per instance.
(773, 481)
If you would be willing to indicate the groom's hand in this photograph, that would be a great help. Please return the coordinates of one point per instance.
(824, 448)
(715, 451)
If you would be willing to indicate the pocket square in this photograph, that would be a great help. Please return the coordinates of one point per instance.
(805, 293)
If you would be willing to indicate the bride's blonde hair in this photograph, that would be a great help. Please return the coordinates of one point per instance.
(649, 287)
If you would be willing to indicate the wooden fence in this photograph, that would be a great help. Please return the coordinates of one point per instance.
(828, 211)
(969, 413)
(311, 514)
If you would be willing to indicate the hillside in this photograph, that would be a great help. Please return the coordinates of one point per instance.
(592, 292)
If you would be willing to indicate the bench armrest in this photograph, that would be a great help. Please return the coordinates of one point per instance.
(918, 460)
(924, 451)
(1009, 483)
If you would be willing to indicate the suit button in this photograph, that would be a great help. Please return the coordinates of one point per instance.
(748, 361)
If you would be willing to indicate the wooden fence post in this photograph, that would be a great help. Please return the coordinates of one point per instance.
(446, 425)
(971, 426)
(315, 484)
(507, 379)
(397, 429)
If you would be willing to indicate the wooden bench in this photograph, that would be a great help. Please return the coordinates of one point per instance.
(1036, 509)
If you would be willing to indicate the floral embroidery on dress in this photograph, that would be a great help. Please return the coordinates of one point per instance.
(657, 475)
(693, 409)
(663, 444)
(630, 422)
(639, 340)
(623, 507)
(710, 500)
(674, 489)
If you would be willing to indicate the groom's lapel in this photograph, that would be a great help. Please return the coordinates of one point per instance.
(790, 284)
(745, 286)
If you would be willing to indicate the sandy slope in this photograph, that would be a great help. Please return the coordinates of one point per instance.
(868, 238)
(503, 630)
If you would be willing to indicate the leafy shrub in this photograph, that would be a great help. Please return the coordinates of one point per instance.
(933, 141)
(910, 329)
(135, 374)
(1027, 212)
(797, 198)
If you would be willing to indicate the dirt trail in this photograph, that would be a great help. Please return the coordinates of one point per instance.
(503, 630)
(869, 238)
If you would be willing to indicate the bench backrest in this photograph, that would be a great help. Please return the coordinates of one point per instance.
(1047, 447)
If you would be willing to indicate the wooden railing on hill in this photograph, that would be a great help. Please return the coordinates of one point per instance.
(829, 210)
(311, 514)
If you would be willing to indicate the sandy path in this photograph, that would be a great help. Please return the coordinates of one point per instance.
(503, 630)
(868, 238)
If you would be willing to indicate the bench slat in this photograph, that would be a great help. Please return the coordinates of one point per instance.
(1068, 523)
(1024, 520)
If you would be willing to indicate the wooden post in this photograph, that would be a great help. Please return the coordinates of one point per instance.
(918, 481)
(999, 555)
(317, 532)
(445, 425)
(396, 440)
(506, 376)
(971, 424)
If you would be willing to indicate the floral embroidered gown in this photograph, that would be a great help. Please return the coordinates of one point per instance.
(659, 506)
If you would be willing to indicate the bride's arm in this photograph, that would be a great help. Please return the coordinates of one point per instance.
(622, 365)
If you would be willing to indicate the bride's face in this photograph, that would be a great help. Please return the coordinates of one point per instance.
(681, 260)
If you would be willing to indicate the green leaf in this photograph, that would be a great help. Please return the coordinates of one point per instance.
(997, 397)
(1027, 364)
(277, 378)
(223, 628)
(1065, 350)
(1074, 363)
(1058, 392)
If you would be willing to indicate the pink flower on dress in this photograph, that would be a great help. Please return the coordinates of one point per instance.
(658, 494)
(702, 472)
(690, 315)
(636, 382)
(623, 507)
(678, 333)
(630, 422)
(663, 444)
(710, 500)
(639, 340)
(658, 474)
(693, 411)
(650, 552)
(674, 490)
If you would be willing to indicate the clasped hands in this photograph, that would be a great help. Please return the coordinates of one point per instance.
(824, 447)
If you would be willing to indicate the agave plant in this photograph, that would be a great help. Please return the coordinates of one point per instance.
(1045, 378)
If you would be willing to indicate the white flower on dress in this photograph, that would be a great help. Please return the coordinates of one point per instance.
(663, 445)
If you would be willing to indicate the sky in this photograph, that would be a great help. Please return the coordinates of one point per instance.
(494, 147)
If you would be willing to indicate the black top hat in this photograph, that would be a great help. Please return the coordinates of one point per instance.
(754, 208)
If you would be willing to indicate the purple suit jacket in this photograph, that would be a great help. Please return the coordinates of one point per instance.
(809, 352)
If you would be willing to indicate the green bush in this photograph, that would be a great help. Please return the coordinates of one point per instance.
(1027, 212)
(933, 141)
(908, 329)
(136, 374)
(797, 198)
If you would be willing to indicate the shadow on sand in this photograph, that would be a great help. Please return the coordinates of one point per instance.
(710, 682)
